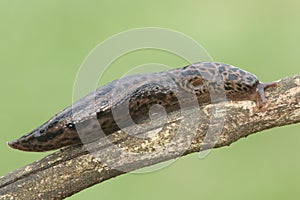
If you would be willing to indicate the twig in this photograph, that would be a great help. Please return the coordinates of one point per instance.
(73, 169)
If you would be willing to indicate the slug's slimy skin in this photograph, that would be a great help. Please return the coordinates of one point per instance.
(138, 94)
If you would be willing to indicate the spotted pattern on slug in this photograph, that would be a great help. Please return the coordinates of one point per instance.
(135, 95)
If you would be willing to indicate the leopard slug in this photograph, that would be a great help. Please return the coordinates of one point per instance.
(141, 92)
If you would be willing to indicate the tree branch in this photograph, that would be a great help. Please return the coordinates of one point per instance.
(74, 168)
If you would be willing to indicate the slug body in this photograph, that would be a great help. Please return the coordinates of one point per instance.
(128, 100)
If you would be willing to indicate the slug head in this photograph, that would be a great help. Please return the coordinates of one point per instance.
(237, 80)
(206, 77)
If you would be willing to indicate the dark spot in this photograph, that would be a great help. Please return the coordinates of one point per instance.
(40, 146)
(42, 131)
(239, 85)
(221, 69)
(239, 89)
(50, 125)
(245, 88)
(161, 95)
(226, 65)
(232, 77)
(188, 72)
(71, 126)
(250, 79)
(248, 86)
(53, 135)
(174, 98)
(205, 75)
(242, 72)
(228, 87)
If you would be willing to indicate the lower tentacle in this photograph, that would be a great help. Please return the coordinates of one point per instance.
(260, 90)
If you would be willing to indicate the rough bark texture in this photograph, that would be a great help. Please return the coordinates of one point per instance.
(74, 168)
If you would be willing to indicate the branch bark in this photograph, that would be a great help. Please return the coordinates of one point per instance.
(74, 168)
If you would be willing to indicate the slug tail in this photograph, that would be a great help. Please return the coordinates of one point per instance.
(28, 142)
(15, 144)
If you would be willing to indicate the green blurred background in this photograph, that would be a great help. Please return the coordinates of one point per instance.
(43, 44)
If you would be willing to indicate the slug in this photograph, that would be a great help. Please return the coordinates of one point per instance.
(136, 95)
